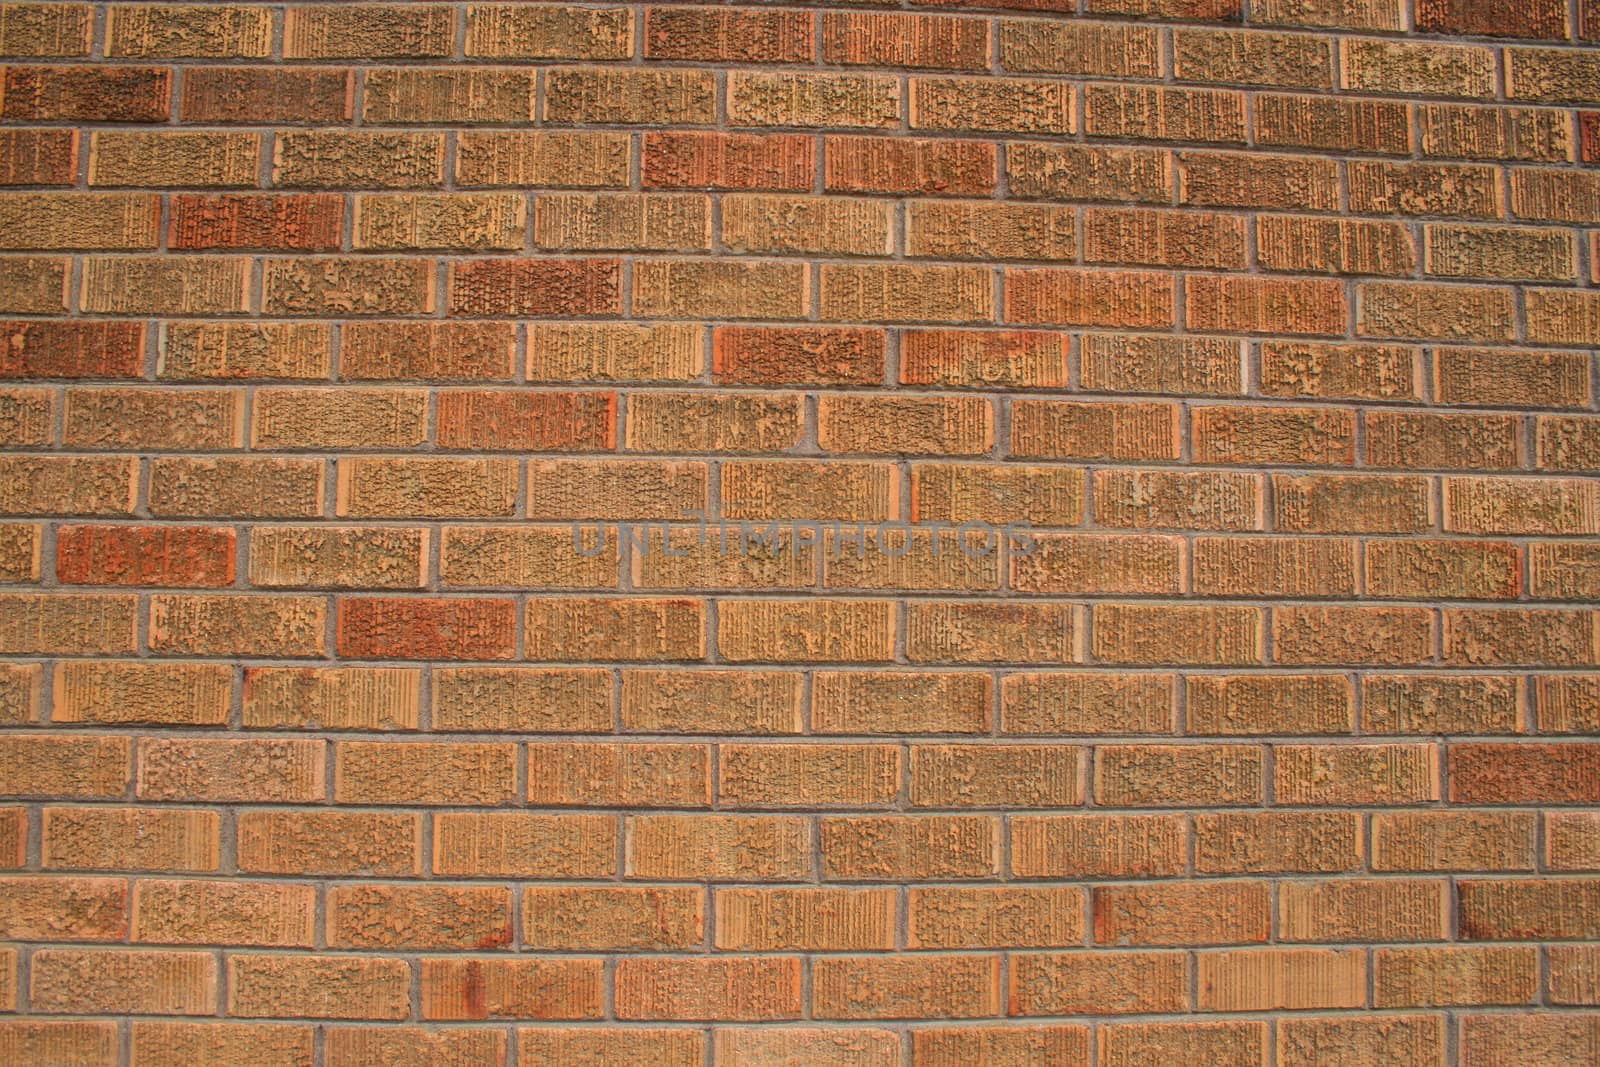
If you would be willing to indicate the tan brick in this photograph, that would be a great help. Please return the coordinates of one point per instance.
(171, 1044)
(345, 159)
(1182, 913)
(1081, 172)
(719, 848)
(122, 981)
(773, 98)
(222, 625)
(418, 917)
(598, 95)
(1427, 704)
(620, 221)
(496, 31)
(109, 691)
(553, 158)
(231, 771)
(42, 623)
(349, 698)
(698, 422)
(1097, 846)
(739, 989)
(809, 776)
(572, 351)
(64, 909)
(318, 987)
(423, 773)
(158, 32)
(147, 285)
(731, 289)
(1096, 49)
(894, 292)
(914, 848)
(63, 221)
(1341, 371)
(711, 701)
(1010, 105)
(419, 221)
(638, 919)
(1365, 1041)
(874, 702)
(1163, 238)
(501, 95)
(206, 350)
(383, 488)
(191, 912)
(1190, 633)
(1060, 429)
(1241, 1043)
(593, 1046)
(791, 225)
(573, 774)
(777, 631)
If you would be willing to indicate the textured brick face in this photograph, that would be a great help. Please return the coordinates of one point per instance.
(969, 532)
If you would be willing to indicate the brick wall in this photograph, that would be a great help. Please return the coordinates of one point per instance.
(1270, 740)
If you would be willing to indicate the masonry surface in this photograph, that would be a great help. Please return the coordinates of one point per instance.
(1271, 743)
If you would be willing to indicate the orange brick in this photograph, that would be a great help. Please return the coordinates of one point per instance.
(882, 702)
(1444, 841)
(867, 987)
(1277, 842)
(734, 989)
(1097, 846)
(643, 775)
(897, 848)
(477, 989)
(525, 845)
(593, 1046)
(1060, 429)
(1357, 774)
(1190, 633)
(1368, 910)
(330, 843)
(1275, 978)
(1537, 1039)
(1267, 435)
(1118, 299)
(1132, 1043)
(634, 919)
(1526, 910)
(130, 691)
(348, 1046)
(58, 766)
(1425, 704)
(96, 838)
(1177, 775)
(1098, 983)
(171, 1044)
(231, 771)
(1376, 1040)
(767, 920)
(423, 772)
(418, 917)
(193, 912)
(116, 981)
(318, 987)
(1070, 703)
(719, 847)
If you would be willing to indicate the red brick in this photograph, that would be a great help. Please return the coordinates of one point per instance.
(908, 167)
(1474, 18)
(41, 349)
(305, 223)
(688, 160)
(542, 288)
(145, 555)
(710, 35)
(757, 355)
(86, 94)
(403, 628)
(258, 95)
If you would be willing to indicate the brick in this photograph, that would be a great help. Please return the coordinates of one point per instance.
(219, 625)
(593, 1046)
(202, 351)
(1256, 181)
(57, 625)
(1365, 126)
(634, 919)
(191, 912)
(1352, 635)
(20, 552)
(117, 221)
(605, 352)
(763, 776)
(317, 987)
(236, 487)
(1097, 846)
(777, 631)
(1231, 1043)
(1182, 913)
(1163, 238)
(1268, 704)
(1573, 978)
(806, 225)
(1561, 318)
(261, 95)
(1335, 246)
(1517, 506)
(418, 917)
(1417, 69)
(1047, 496)
(1561, 638)
(896, 848)
(654, 96)
(1537, 1039)
(1443, 569)
(1370, 910)
(339, 557)
(330, 843)
(147, 418)
(13, 838)
(1522, 773)
(1160, 114)
(1246, 58)
(347, 286)
(1471, 18)
(904, 292)
(1562, 571)
(1457, 131)
(772, 98)
(1130, 299)
(46, 30)
(39, 157)
(1369, 774)
(1566, 443)
(332, 699)
(416, 221)
(1064, 703)
(1012, 105)
(734, 989)
(21, 691)
(732, 289)
(64, 909)
(573, 774)
(1379, 1039)
(1418, 439)
(86, 94)
(152, 32)
(618, 221)
(1274, 842)
(145, 555)
(1094, 49)
(59, 766)
(123, 982)
(625, 629)
(947, 229)
(866, 987)
(968, 776)
(1115, 983)
(808, 489)
(1341, 371)
(961, 358)
(218, 160)
(1550, 76)
(448, 95)
(1275, 979)
(1057, 429)
(170, 1044)
(908, 166)
(826, 919)
(1572, 841)
(430, 351)
(1498, 252)
(1099, 563)
(373, 32)
(708, 35)
(824, 1047)
(1251, 305)
(111, 691)
(345, 159)
(1202, 499)
(711, 701)
(1424, 977)
(874, 702)
(288, 223)
(1565, 703)
(372, 772)
(33, 285)
(1409, 189)
(915, 41)
(906, 425)
(1552, 195)
(687, 160)
(530, 422)
(374, 487)
(1128, 633)
(1426, 704)
(1175, 775)
(797, 355)
(1449, 841)
(698, 422)
(231, 771)
(1274, 567)
(1318, 503)
(554, 158)
(606, 489)
(414, 1046)
(1525, 910)
(510, 32)
(719, 848)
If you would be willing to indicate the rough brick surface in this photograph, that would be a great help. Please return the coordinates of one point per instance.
(962, 532)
